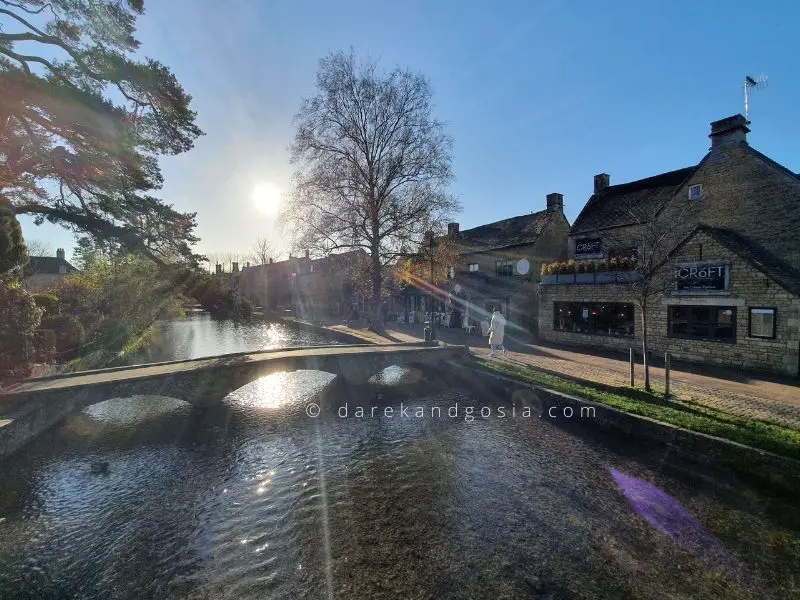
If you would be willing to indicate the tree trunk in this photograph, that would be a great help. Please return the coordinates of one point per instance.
(377, 280)
(644, 347)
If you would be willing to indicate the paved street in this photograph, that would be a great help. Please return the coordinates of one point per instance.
(764, 398)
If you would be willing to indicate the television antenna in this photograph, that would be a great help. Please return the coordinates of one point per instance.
(752, 83)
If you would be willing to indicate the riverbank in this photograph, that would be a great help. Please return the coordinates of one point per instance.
(679, 412)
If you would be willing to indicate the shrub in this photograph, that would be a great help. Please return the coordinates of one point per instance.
(601, 266)
(580, 266)
(614, 265)
(19, 319)
(49, 303)
(591, 266)
(69, 334)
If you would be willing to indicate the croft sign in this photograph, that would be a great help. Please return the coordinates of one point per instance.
(588, 246)
(701, 278)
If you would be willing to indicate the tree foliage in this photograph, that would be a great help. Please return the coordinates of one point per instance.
(13, 253)
(372, 164)
(19, 319)
(82, 123)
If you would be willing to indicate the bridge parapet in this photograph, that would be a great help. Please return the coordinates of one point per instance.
(37, 404)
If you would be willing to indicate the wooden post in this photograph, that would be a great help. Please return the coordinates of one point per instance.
(666, 373)
(632, 378)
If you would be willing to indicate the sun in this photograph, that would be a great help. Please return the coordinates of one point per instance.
(267, 198)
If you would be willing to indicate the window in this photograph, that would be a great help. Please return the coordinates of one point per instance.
(451, 272)
(695, 192)
(716, 323)
(473, 267)
(504, 268)
(762, 322)
(595, 318)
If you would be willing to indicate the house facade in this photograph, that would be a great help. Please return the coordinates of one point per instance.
(724, 287)
(496, 265)
(43, 272)
(310, 286)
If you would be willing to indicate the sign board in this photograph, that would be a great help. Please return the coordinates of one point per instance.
(701, 278)
(588, 246)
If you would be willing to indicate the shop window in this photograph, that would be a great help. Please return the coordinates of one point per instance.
(473, 267)
(595, 318)
(762, 322)
(717, 323)
(504, 268)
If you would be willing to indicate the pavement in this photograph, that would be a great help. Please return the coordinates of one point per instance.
(771, 399)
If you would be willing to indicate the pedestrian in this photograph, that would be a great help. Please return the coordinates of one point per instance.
(496, 331)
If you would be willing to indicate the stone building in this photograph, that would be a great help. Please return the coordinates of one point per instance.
(723, 285)
(43, 272)
(496, 265)
(310, 286)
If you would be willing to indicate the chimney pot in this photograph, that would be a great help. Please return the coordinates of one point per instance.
(235, 267)
(219, 269)
(730, 131)
(555, 202)
(60, 254)
(452, 229)
(307, 254)
(601, 182)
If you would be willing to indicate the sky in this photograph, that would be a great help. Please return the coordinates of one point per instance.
(539, 96)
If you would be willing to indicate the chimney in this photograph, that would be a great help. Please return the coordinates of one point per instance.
(729, 132)
(555, 202)
(601, 182)
(307, 254)
(452, 230)
(247, 264)
(219, 269)
(270, 260)
(235, 268)
(61, 255)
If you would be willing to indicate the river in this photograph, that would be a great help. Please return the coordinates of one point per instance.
(149, 497)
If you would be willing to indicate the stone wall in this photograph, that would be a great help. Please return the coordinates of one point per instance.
(749, 287)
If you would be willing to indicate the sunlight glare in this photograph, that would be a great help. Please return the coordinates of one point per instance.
(267, 198)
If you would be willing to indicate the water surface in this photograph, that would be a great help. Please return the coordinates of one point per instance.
(252, 498)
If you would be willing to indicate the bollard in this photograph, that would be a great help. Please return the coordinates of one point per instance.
(666, 373)
(632, 363)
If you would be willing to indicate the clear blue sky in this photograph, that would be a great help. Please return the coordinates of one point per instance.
(538, 96)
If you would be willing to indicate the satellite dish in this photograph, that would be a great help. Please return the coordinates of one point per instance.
(457, 288)
(523, 266)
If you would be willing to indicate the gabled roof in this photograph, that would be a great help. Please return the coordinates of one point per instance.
(612, 207)
(763, 260)
(47, 265)
(513, 231)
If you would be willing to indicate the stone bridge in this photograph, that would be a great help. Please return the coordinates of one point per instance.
(33, 406)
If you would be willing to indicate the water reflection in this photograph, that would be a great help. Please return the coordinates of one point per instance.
(395, 375)
(198, 335)
(280, 389)
(252, 499)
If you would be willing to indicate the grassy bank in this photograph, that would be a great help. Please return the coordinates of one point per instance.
(694, 417)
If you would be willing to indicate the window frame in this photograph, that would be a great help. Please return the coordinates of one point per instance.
(712, 323)
(591, 306)
(507, 265)
(471, 270)
(750, 310)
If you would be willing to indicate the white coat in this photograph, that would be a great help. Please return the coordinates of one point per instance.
(497, 329)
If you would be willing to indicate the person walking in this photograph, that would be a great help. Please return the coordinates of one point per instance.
(496, 332)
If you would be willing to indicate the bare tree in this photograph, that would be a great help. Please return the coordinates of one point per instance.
(372, 165)
(39, 248)
(647, 242)
(261, 251)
